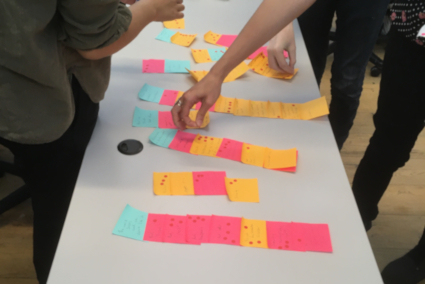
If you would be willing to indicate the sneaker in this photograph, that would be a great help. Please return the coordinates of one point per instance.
(403, 270)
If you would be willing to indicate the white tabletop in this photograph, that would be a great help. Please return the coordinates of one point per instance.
(318, 192)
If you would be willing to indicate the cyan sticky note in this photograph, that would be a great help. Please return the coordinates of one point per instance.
(132, 223)
(150, 93)
(145, 118)
(162, 137)
(216, 53)
(166, 35)
(176, 66)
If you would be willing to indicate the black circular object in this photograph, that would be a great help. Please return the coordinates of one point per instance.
(375, 71)
(130, 147)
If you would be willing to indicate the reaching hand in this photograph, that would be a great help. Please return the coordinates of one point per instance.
(167, 10)
(284, 40)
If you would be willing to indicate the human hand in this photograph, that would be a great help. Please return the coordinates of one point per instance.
(206, 91)
(167, 10)
(284, 40)
(129, 2)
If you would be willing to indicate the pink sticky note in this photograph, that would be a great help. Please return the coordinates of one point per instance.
(230, 149)
(198, 106)
(168, 97)
(165, 120)
(198, 229)
(153, 66)
(263, 49)
(284, 236)
(209, 183)
(175, 229)
(317, 237)
(225, 230)
(226, 40)
(290, 169)
(182, 141)
(154, 231)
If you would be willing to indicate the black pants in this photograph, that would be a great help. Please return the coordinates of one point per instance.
(51, 171)
(357, 28)
(398, 121)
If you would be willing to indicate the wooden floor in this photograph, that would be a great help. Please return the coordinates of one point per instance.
(396, 230)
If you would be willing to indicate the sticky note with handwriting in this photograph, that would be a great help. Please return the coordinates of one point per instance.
(274, 110)
(253, 233)
(205, 145)
(201, 55)
(225, 230)
(165, 35)
(182, 39)
(209, 183)
(242, 107)
(198, 229)
(284, 236)
(155, 228)
(176, 66)
(226, 40)
(278, 159)
(314, 108)
(182, 141)
(216, 53)
(230, 149)
(242, 190)
(153, 66)
(168, 97)
(225, 104)
(258, 109)
(317, 237)
(131, 224)
(182, 183)
(175, 24)
(253, 155)
(162, 183)
(175, 229)
(162, 137)
(211, 37)
(260, 65)
(165, 120)
(151, 93)
(145, 118)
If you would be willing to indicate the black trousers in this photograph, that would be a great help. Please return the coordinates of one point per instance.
(51, 171)
(357, 29)
(398, 121)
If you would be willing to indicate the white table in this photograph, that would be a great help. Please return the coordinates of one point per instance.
(318, 193)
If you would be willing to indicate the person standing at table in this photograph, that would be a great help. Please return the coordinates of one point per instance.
(54, 70)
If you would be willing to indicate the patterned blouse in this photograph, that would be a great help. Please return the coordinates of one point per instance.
(409, 18)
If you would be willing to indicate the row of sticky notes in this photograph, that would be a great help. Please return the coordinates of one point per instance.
(174, 24)
(165, 66)
(214, 229)
(161, 119)
(176, 37)
(206, 183)
(208, 55)
(241, 107)
(280, 160)
(232, 76)
(260, 65)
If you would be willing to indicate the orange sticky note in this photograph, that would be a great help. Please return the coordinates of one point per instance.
(194, 113)
(174, 24)
(279, 159)
(162, 183)
(201, 55)
(260, 65)
(225, 105)
(182, 39)
(242, 107)
(290, 111)
(314, 108)
(182, 183)
(237, 72)
(258, 109)
(211, 37)
(274, 110)
(242, 190)
(205, 145)
(197, 75)
(253, 155)
(253, 233)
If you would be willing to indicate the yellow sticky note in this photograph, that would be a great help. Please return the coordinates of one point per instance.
(182, 183)
(290, 111)
(237, 72)
(201, 55)
(254, 233)
(194, 113)
(162, 183)
(260, 65)
(258, 109)
(198, 75)
(242, 107)
(205, 145)
(174, 24)
(279, 159)
(225, 105)
(211, 37)
(242, 190)
(274, 110)
(314, 108)
(182, 39)
(253, 155)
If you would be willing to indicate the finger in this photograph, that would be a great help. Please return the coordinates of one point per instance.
(179, 15)
(292, 56)
(283, 65)
(180, 7)
(202, 112)
(184, 112)
(179, 1)
(272, 62)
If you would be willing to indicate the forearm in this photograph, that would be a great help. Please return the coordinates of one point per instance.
(270, 18)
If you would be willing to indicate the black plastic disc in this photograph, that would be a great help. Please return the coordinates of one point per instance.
(130, 147)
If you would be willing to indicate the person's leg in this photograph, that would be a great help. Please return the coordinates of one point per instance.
(357, 29)
(315, 24)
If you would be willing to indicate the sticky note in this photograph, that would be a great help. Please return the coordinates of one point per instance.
(260, 65)
(198, 229)
(225, 105)
(284, 236)
(145, 118)
(150, 93)
(242, 190)
(176, 66)
(165, 35)
(131, 224)
(236, 72)
(155, 228)
(198, 75)
(162, 183)
(201, 55)
(209, 183)
(182, 183)
(226, 40)
(242, 107)
(205, 145)
(278, 159)
(162, 137)
(165, 120)
(182, 39)
(182, 141)
(168, 97)
(216, 53)
(317, 237)
(174, 24)
(314, 108)
(253, 233)
(290, 111)
(253, 155)
(211, 37)
(274, 110)
(153, 66)
(258, 109)
(192, 116)
(263, 49)
(175, 229)
(230, 149)
(225, 230)
(198, 106)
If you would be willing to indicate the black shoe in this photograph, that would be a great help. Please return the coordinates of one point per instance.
(403, 270)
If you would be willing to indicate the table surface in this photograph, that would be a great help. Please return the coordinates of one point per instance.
(318, 192)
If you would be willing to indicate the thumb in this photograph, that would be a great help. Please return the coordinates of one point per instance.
(202, 112)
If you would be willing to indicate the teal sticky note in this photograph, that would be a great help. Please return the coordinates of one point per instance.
(132, 224)
(145, 118)
(162, 137)
(176, 66)
(151, 93)
(166, 35)
(216, 53)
